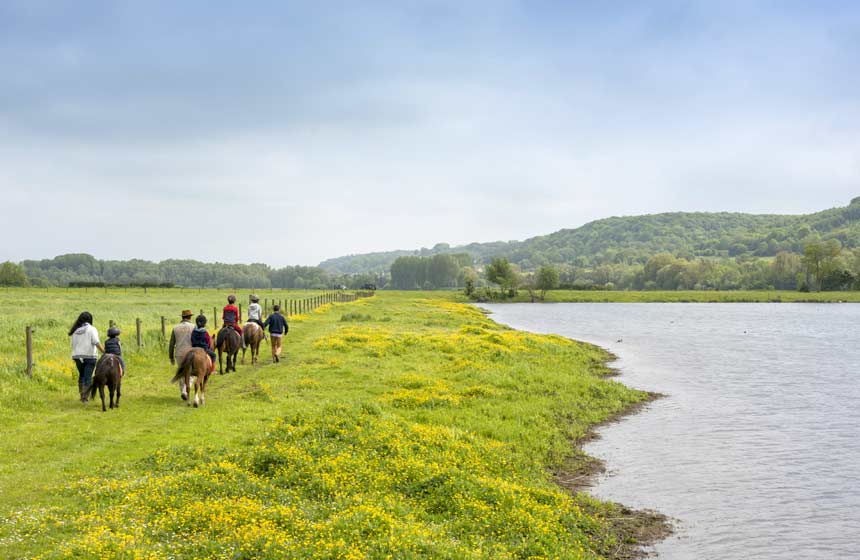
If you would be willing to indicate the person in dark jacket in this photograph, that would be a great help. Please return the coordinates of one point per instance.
(278, 327)
(114, 346)
(200, 338)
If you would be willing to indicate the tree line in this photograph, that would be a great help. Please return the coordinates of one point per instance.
(86, 270)
(822, 266)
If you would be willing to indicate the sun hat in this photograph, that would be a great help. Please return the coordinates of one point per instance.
(187, 313)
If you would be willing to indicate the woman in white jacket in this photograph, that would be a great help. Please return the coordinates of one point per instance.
(85, 342)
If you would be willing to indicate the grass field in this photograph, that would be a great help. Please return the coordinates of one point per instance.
(692, 296)
(405, 425)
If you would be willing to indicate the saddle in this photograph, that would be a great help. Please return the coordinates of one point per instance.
(222, 332)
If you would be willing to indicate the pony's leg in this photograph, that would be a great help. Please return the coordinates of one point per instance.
(118, 393)
(243, 355)
(221, 363)
(183, 388)
(102, 395)
(111, 391)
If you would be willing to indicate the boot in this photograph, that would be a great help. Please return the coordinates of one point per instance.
(84, 390)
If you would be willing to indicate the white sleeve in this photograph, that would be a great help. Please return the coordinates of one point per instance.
(94, 336)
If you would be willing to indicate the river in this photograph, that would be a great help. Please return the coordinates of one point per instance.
(755, 450)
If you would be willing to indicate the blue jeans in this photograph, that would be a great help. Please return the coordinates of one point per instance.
(86, 367)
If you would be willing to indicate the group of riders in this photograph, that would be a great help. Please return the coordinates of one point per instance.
(184, 336)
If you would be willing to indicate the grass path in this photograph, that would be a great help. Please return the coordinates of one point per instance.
(61, 438)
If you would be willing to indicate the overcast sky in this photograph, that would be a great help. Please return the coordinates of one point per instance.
(290, 132)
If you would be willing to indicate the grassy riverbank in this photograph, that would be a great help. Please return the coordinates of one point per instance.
(690, 296)
(405, 425)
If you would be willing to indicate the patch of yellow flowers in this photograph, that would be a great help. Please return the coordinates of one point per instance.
(350, 484)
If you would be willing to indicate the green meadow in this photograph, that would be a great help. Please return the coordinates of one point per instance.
(404, 425)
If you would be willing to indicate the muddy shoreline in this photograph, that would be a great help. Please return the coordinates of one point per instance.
(636, 530)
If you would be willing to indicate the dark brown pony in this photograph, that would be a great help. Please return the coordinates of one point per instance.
(253, 334)
(195, 365)
(108, 372)
(229, 342)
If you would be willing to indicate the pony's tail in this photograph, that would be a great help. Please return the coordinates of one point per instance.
(180, 371)
(93, 389)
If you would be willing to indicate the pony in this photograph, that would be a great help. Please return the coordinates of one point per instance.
(229, 342)
(108, 372)
(196, 365)
(253, 334)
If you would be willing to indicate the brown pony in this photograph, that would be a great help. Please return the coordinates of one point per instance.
(253, 334)
(108, 372)
(229, 342)
(195, 365)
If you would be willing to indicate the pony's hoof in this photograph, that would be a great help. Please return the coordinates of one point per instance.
(195, 405)
(184, 397)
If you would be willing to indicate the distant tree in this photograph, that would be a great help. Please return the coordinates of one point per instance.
(12, 274)
(501, 272)
(470, 279)
(818, 257)
(547, 279)
(784, 270)
(442, 271)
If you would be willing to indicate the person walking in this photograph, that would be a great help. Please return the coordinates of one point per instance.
(278, 327)
(85, 344)
(180, 344)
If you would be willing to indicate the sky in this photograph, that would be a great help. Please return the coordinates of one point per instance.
(291, 132)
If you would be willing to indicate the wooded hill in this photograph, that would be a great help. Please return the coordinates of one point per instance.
(633, 239)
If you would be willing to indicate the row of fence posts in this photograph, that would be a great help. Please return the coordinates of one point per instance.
(288, 306)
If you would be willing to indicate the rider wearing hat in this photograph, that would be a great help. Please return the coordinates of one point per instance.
(113, 345)
(255, 312)
(230, 314)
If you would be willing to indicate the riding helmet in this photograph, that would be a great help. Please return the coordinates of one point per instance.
(113, 331)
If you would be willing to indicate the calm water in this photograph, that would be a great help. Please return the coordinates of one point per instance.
(756, 449)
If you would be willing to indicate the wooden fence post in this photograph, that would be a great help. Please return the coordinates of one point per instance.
(139, 341)
(29, 332)
(239, 318)
(111, 323)
(215, 316)
(163, 327)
